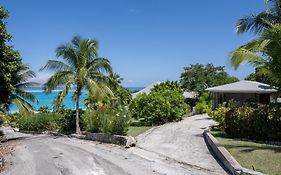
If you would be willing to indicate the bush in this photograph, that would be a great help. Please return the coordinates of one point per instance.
(13, 119)
(44, 109)
(219, 115)
(159, 107)
(111, 121)
(124, 96)
(204, 103)
(2, 118)
(68, 120)
(259, 122)
(40, 122)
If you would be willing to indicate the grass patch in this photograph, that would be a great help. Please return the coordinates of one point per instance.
(137, 130)
(260, 157)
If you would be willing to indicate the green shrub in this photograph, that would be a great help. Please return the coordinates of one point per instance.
(3, 118)
(124, 96)
(44, 109)
(159, 107)
(13, 119)
(40, 122)
(259, 122)
(219, 115)
(68, 120)
(204, 104)
(111, 121)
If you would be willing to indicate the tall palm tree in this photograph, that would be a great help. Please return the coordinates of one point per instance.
(266, 19)
(18, 95)
(81, 69)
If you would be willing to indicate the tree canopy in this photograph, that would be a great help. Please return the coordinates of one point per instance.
(198, 77)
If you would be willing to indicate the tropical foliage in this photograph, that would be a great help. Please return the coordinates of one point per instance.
(264, 20)
(158, 107)
(40, 122)
(82, 69)
(259, 122)
(124, 96)
(14, 74)
(167, 85)
(204, 103)
(198, 77)
(111, 121)
(264, 53)
(219, 114)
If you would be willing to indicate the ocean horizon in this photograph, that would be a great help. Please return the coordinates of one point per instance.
(47, 99)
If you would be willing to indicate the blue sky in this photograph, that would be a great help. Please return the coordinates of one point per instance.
(145, 40)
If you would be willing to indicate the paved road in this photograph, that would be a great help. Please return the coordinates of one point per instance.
(49, 155)
(184, 142)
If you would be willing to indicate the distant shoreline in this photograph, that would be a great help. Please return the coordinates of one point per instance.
(47, 99)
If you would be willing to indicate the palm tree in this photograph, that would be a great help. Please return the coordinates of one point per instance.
(18, 95)
(115, 81)
(266, 19)
(263, 53)
(81, 69)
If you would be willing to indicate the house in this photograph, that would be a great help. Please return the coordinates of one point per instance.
(243, 91)
(147, 90)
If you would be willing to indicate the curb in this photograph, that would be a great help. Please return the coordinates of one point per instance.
(225, 157)
(107, 138)
(127, 141)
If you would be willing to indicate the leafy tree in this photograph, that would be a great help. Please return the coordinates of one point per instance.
(265, 19)
(81, 69)
(260, 76)
(168, 85)
(14, 74)
(198, 77)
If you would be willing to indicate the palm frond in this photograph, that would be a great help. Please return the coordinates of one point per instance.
(26, 95)
(254, 23)
(25, 75)
(59, 99)
(26, 84)
(68, 53)
(59, 78)
(100, 65)
(241, 55)
(55, 65)
(22, 104)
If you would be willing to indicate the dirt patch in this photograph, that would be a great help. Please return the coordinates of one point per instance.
(6, 148)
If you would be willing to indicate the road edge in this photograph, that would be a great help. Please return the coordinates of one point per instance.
(225, 157)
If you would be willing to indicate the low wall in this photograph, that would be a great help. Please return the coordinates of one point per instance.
(107, 138)
(225, 157)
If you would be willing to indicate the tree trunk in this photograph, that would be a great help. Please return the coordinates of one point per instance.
(78, 131)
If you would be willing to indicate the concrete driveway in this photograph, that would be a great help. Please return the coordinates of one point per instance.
(183, 152)
(184, 142)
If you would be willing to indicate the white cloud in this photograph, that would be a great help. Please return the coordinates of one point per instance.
(41, 77)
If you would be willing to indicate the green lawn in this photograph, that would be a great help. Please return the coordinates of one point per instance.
(137, 130)
(261, 157)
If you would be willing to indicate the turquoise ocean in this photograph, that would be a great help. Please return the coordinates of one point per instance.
(47, 99)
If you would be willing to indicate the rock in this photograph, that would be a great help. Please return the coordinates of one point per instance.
(131, 141)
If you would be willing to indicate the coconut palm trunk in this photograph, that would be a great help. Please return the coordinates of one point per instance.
(77, 98)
